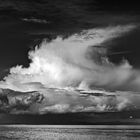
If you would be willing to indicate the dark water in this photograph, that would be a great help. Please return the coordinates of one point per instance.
(55, 132)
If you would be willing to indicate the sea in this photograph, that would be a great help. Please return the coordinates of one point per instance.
(69, 132)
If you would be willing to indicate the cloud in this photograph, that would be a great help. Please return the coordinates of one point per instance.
(60, 101)
(70, 61)
(65, 71)
(35, 20)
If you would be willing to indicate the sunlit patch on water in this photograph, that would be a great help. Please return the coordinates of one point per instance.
(63, 132)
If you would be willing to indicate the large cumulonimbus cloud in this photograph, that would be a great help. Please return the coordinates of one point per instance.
(76, 62)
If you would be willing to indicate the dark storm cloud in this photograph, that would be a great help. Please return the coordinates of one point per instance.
(126, 48)
(88, 12)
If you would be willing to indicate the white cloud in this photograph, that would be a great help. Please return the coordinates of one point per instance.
(78, 63)
(69, 62)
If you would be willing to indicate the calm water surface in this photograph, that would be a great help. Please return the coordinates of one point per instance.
(68, 132)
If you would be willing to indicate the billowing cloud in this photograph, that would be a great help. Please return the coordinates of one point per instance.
(78, 62)
(61, 101)
(74, 60)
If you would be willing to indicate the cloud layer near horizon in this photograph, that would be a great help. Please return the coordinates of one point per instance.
(56, 100)
(79, 62)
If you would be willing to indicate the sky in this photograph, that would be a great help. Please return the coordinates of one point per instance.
(69, 56)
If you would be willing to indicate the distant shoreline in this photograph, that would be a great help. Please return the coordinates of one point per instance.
(83, 118)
